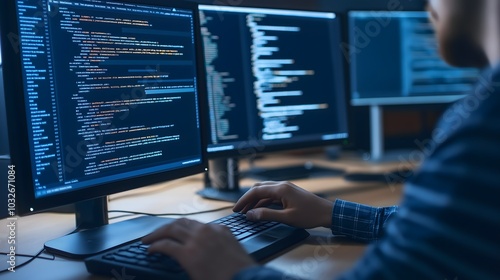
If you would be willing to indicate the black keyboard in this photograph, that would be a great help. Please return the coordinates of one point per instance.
(241, 227)
(261, 239)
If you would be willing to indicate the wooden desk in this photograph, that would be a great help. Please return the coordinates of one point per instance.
(321, 256)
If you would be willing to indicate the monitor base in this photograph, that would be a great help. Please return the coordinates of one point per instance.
(96, 240)
(294, 172)
(222, 182)
(222, 195)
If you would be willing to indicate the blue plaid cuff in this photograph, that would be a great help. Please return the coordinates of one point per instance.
(358, 221)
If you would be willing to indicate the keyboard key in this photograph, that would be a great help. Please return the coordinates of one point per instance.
(244, 235)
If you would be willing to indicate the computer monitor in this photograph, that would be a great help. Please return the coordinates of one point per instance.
(102, 97)
(275, 82)
(394, 60)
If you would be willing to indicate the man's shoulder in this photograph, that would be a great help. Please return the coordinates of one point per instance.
(464, 146)
(478, 110)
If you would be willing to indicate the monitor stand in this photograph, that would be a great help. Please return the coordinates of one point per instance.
(378, 155)
(96, 235)
(377, 151)
(376, 132)
(222, 182)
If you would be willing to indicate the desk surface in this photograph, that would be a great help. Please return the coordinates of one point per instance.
(321, 256)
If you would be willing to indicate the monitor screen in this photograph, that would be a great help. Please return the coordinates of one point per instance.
(103, 96)
(275, 79)
(394, 59)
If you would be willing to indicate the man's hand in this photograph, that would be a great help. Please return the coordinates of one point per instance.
(205, 251)
(300, 207)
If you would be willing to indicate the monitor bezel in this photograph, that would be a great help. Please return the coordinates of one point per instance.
(27, 203)
(249, 151)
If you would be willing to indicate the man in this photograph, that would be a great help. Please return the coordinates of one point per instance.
(448, 225)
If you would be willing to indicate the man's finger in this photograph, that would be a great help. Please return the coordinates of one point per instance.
(261, 203)
(178, 230)
(167, 247)
(255, 194)
(263, 183)
(266, 214)
(264, 203)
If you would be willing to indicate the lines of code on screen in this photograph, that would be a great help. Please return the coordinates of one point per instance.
(271, 77)
(405, 55)
(111, 90)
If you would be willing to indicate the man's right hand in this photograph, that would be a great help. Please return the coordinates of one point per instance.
(301, 208)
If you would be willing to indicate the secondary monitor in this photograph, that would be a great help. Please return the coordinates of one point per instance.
(275, 81)
(102, 97)
(394, 60)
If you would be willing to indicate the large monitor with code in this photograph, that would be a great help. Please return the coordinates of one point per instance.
(102, 97)
(275, 82)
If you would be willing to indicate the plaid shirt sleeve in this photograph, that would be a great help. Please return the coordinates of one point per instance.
(360, 222)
